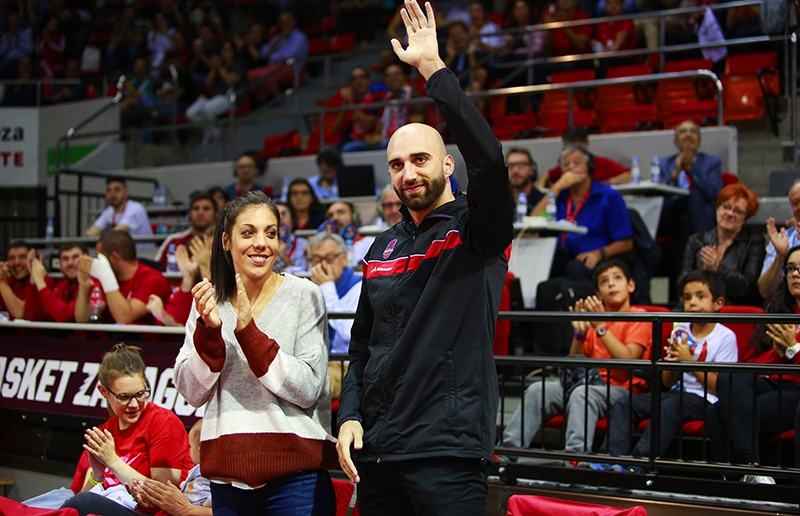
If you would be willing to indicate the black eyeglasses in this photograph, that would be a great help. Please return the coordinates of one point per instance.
(125, 398)
(329, 258)
(789, 269)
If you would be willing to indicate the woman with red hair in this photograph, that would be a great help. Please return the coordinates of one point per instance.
(732, 250)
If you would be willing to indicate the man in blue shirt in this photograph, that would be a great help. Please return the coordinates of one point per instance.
(780, 242)
(593, 205)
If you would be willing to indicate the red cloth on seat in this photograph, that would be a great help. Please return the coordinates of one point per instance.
(529, 505)
(18, 509)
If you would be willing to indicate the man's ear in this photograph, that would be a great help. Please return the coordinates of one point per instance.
(449, 165)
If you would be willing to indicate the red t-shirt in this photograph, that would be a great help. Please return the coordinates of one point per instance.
(146, 281)
(26, 291)
(628, 333)
(604, 169)
(606, 33)
(58, 301)
(179, 306)
(562, 46)
(161, 255)
(357, 131)
(157, 440)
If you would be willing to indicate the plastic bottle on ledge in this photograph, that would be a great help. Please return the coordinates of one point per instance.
(49, 230)
(96, 304)
(550, 212)
(655, 169)
(172, 260)
(636, 175)
(522, 208)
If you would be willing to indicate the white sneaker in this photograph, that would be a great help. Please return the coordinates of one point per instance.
(758, 479)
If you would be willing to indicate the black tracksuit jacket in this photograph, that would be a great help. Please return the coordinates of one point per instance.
(422, 378)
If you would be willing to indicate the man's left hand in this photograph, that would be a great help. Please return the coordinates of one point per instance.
(590, 258)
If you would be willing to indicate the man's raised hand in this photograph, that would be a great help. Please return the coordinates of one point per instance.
(423, 48)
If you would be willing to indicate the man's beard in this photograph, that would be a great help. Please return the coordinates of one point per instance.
(432, 190)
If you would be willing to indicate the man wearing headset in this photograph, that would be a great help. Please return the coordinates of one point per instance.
(593, 205)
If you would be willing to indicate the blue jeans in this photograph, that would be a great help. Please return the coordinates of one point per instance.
(308, 493)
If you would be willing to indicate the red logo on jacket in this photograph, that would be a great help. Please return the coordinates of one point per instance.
(389, 248)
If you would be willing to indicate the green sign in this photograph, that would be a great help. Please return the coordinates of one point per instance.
(76, 153)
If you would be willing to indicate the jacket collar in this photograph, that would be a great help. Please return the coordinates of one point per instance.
(447, 209)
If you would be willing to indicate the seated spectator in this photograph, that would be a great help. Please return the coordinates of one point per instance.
(344, 220)
(159, 40)
(567, 40)
(202, 210)
(462, 55)
(126, 281)
(522, 171)
(308, 211)
(780, 243)
(391, 117)
(752, 406)
(225, 73)
(176, 311)
(140, 99)
(581, 199)
(15, 44)
(690, 398)
(58, 299)
(487, 35)
(613, 36)
(361, 17)
(122, 214)
(595, 339)
(124, 43)
(329, 161)
(248, 49)
(340, 285)
(194, 496)
(141, 440)
(179, 90)
(732, 250)
(69, 92)
(203, 47)
(522, 44)
(50, 47)
(246, 169)
(17, 291)
(22, 93)
(605, 169)
(291, 248)
(460, 12)
(220, 196)
(356, 124)
(289, 43)
(389, 205)
(697, 172)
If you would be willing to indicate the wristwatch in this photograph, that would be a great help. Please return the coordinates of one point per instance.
(791, 351)
(602, 331)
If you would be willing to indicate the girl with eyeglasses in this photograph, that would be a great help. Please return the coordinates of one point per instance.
(256, 355)
(140, 441)
(732, 250)
(308, 211)
(752, 406)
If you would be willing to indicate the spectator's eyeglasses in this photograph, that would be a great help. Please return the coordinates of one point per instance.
(329, 258)
(125, 398)
(245, 165)
(738, 211)
(790, 269)
(519, 164)
(388, 205)
(688, 131)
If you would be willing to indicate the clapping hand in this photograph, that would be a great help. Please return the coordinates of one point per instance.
(710, 258)
(579, 327)
(187, 265)
(205, 303)
(166, 497)
(200, 247)
(783, 336)
(36, 269)
(779, 238)
(244, 314)
(100, 445)
(593, 304)
(678, 349)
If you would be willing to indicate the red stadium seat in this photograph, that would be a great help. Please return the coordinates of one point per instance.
(619, 96)
(685, 89)
(317, 46)
(344, 495)
(751, 85)
(729, 179)
(531, 505)
(508, 127)
(342, 42)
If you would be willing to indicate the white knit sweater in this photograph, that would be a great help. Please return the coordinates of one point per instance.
(266, 387)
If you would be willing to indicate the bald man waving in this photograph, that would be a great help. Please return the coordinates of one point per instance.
(417, 410)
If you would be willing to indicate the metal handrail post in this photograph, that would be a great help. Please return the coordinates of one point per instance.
(174, 73)
(793, 107)
(232, 121)
(662, 40)
(570, 117)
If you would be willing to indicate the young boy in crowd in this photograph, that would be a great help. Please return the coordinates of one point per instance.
(595, 339)
(703, 292)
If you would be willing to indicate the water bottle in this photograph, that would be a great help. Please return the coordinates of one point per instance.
(636, 175)
(96, 304)
(550, 212)
(655, 169)
(49, 230)
(172, 260)
(522, 208)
